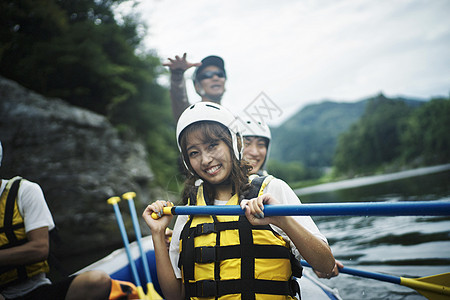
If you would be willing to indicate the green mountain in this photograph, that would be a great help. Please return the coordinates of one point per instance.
(310, 136)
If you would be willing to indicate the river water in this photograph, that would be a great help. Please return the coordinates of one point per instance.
(408, 246)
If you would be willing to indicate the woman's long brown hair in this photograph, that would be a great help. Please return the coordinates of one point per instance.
(212, 131)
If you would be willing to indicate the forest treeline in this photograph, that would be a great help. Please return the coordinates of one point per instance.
(80, 52)
(389, 135)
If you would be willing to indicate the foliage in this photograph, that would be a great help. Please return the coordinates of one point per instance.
(426, 136)
(374, 139)
(310, 136)
(393, 133)
(291, 172)
(371, 132)
(75, 50)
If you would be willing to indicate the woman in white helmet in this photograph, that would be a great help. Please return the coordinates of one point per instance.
(257, 137)
(256, 145)
(236, 257)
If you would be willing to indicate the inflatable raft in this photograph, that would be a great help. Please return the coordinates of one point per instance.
(117, 266)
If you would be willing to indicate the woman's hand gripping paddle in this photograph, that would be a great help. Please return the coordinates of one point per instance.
(169, 210)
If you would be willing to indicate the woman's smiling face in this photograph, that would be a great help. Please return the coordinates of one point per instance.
(255, 151)
(209, 158)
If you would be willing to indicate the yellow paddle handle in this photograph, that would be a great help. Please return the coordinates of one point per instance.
(166, 211)
(129, 196)
(113, 200)
(141, 293)
(152, 294)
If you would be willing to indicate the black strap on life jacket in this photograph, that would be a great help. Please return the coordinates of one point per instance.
(247, 285)
(255, 186)
(253, 192)
(8, 229)
(213, 288)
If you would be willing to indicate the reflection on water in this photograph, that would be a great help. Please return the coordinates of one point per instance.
(401, 246)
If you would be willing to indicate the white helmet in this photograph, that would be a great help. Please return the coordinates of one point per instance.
(257, 128)
(209, 111)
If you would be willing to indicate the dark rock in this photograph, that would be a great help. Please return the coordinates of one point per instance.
(79, 160)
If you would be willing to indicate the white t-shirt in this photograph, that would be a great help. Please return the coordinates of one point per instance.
(277, 188)
(35, 212)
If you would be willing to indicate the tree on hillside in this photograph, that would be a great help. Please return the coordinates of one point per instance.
(77, 51)
(374, 139)
(73, 50)
(310, 136)
(291, 172)
(426, 138)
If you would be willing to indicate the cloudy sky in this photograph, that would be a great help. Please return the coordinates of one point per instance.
(305, 51)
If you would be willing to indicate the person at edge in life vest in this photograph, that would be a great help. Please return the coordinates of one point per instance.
(209, 81)
(25, 247)
(210, 262)
(257, 137)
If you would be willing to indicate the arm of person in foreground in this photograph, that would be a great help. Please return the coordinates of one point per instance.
(171, 286)
(34, 250)
(315, 251)
(334, 273)
(178, 94)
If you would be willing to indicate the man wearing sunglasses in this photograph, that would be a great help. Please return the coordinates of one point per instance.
(209, 81)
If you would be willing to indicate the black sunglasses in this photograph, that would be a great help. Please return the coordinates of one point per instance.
(210, 74)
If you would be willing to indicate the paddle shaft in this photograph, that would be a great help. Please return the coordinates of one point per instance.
(406, 208)
(137, 230)
(126, 243)
(409, 282)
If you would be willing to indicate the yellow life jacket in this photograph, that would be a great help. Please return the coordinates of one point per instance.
(12, 234)
(226, 257)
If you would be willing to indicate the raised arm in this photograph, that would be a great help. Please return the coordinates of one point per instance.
(178, 94)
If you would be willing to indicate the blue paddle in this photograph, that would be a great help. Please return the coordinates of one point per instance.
(406, 208)
(113, 201)
(432, 287)
(152, 294)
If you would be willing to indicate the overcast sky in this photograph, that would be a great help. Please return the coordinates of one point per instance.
(305, 51)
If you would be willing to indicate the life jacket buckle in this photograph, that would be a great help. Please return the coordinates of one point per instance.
(204, 228)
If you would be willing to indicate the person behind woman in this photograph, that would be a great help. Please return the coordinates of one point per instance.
(238, 257)
(257, 138)
(209, 81)
(256, 151)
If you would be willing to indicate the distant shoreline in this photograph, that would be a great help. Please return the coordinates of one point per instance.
(369, 180)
